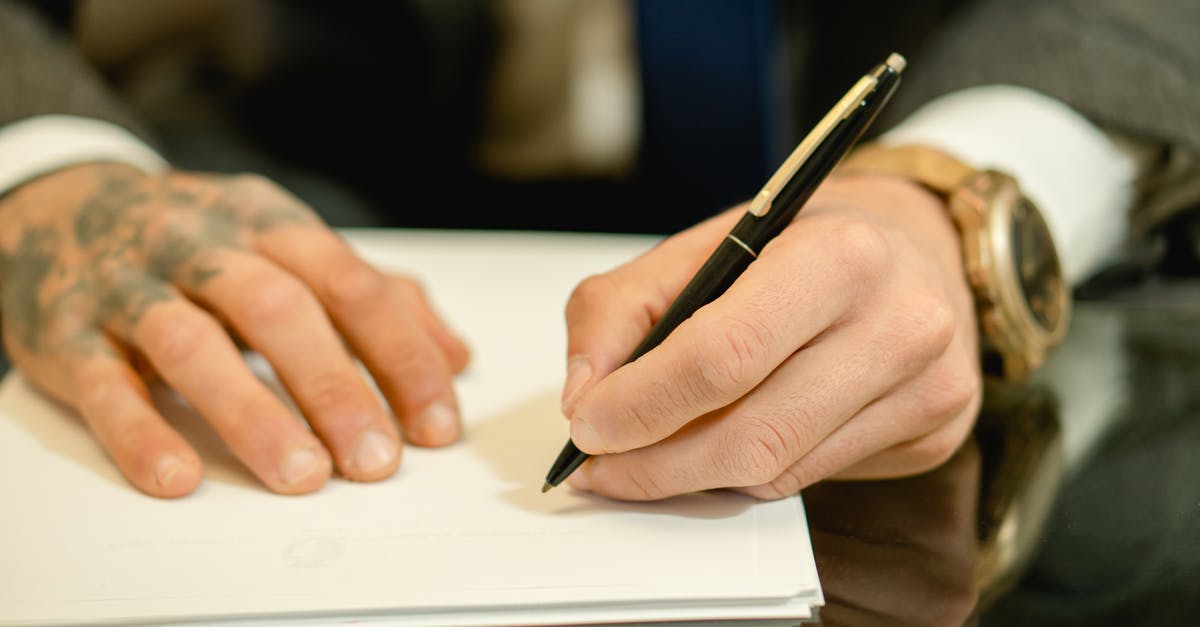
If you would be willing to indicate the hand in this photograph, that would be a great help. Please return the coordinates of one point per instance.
(848, 349)
(107, 273)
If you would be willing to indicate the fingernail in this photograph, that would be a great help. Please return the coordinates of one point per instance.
(375, 452)
(584, 435)
(297, 466)
(165, 469)
(438, 424)
(579, 371)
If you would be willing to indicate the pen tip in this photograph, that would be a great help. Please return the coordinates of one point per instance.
(546, 487)
(897, 62)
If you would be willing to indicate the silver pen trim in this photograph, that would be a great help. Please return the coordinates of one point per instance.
(733, 238)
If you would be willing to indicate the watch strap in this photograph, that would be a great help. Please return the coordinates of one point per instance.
(930, 167)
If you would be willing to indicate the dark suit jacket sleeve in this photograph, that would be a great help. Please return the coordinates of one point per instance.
(42, 73)
(1131, 66)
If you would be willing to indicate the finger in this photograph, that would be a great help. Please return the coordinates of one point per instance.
(909, 432)
(194, 356)
(755, 439)
(114, 402)
(941, 405)
(452, 345)
(279, 317)
(383, 327)
(609, 314)
(918, 454)
(83, 369)
(731, 345)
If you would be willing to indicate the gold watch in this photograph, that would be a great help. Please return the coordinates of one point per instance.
(1021, 296)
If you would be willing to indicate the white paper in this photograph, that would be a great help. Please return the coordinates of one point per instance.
(459, 536)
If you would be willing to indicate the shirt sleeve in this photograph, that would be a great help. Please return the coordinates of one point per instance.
(1082, 182)
(39, 145)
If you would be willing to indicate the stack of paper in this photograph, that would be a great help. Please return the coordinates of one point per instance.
(460, 536)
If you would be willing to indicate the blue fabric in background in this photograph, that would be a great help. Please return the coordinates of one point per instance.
(714, 125)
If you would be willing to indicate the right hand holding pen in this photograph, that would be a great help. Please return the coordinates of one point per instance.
(104, 269)
(848, 349)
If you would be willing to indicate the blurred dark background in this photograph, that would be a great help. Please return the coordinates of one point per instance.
(427, 113)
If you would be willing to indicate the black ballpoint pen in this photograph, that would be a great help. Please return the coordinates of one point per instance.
(770, 212)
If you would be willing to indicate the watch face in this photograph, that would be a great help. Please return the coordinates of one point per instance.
(1037, 266)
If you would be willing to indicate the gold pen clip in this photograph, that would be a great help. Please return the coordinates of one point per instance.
(844, 107)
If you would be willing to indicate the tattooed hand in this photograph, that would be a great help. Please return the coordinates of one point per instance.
(107, 272)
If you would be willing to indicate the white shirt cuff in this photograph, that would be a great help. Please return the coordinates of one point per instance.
(37, 146)
(1078, 177)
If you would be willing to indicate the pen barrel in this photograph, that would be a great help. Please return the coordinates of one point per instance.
(720, 271)
(754, 231)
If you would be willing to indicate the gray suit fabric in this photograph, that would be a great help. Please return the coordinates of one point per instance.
(42, 73)
(1131, 66)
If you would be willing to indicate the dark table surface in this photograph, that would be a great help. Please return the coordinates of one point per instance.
(1077, 501)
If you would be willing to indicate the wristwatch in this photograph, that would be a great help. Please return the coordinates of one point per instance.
(1021, 297)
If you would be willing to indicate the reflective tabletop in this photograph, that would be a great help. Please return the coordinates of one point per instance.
(1076, 502)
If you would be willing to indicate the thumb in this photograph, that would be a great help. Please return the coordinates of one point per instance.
(609, 314)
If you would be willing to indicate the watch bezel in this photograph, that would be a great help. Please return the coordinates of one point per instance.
(983, 207)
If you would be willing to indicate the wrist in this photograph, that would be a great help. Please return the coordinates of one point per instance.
(50, 190)
(1011, 263)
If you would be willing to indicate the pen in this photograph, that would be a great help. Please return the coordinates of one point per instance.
(769, 214)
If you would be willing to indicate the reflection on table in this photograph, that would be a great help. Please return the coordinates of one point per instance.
(1077, 501)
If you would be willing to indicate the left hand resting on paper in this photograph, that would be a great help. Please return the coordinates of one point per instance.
(111, 276)
(848, 349)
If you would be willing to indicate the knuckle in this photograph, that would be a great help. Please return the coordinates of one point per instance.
(955, 393)
(757, 452)
(77, 360)
(253, 183)
(261, 203)
(597, 288)
(643, 486)
(729, 357)
(357, 287)
(781, 487)
(128, 433)
(937, 327)
(95, 397)
(861, 249)
(402, 359)
(925, 329)
(637, 424)
(274, 301)
(413, 373)
(177, 240)
(171, 220)
(167, 233)
(177, 340)
(332, 391)
(64, 329)
(408, 287)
